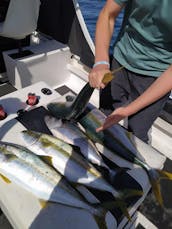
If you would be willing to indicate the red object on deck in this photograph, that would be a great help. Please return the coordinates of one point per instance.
(3, 114)
(32, 99)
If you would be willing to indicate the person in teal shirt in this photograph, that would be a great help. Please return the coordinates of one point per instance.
(144, 47)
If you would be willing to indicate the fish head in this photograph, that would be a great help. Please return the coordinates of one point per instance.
(3, 154)
(59, 110)
(30, 137)
(2, 146)
(5, 148)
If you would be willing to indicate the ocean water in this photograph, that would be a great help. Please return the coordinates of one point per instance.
(90, 10)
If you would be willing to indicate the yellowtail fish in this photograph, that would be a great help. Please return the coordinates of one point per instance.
(116, 140)
(34, 175)
(72, 165)
(75, 108)
(72, 134)
(71, 110)
(29, 157)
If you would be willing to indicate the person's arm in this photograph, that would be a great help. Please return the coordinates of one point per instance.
(157, 90)
(103, 35)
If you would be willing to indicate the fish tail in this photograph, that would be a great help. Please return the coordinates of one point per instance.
(104, 207)
(112, 173)
(118, 203)
(164, 174)
(100, 218)
(127, 193)
(155, 175)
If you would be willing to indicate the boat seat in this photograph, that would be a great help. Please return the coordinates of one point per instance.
(21, 19)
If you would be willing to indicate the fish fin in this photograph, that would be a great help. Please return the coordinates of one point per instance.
(114, 172)
(127, 193)
(60, 110)
(100, 220)
(155, 176)
(164, 175)
(110, 75)
(118, 203)
(43, 203)
(76, 148)
(154, 179)
(4, 178)
(129, 134)
(156, 185)
(47, 159)
(157, 192)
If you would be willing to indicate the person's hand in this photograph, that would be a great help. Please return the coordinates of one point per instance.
(96, 76)
(115, 117)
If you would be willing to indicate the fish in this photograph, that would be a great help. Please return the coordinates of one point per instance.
(72, 110)
(34, 175)
(28, 156)
(118, 143)
(71, 133)
(72, 165)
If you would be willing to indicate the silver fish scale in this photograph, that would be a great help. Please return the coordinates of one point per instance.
(70, 162)
(30, 178)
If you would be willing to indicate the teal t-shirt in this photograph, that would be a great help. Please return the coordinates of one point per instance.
(144, 44)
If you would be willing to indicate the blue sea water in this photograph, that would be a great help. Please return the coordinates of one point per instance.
(90, 10)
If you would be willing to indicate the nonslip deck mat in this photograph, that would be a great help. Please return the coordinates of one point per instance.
(6, 88)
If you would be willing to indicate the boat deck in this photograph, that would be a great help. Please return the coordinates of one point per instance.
(148, 208)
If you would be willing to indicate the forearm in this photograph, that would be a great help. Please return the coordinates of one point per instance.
(158, 89)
